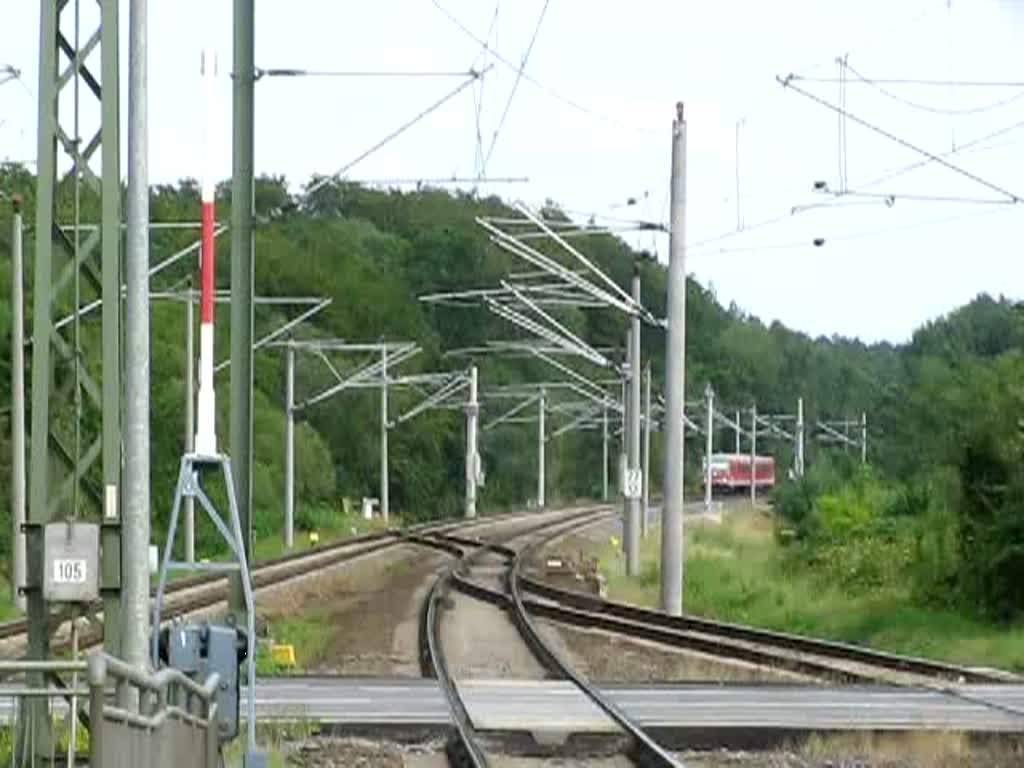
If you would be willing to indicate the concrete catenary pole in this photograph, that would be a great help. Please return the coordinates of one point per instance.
(623, 439)
(753, 454)
(289, 448)
(863, 438)
(190, 421)
(17, 407)
(541, 407)
(604, 454)
(799, 437)
(709, 449)
(736, 431)
(472, 461)
(675, 377)
(135, 523)
(385, 472)
(646, 510)
(242, 82)
(633, 448)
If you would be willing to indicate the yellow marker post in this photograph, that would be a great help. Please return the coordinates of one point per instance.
(284, 655)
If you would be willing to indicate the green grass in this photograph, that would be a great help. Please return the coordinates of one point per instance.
(737, 571)
(7, 609)
(306, 634)
(332, 526)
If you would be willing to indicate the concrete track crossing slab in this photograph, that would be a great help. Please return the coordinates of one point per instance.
(513, 705)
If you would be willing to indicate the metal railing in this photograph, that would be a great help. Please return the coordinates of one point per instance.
(159, 719)
(32, 706)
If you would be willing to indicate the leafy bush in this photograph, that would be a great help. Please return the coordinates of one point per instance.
(991, 525)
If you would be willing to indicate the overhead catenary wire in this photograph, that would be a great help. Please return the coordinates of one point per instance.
(324, 181)
(869, 44)
(777, 219)
(438, 180)
(928, 108)
(889, 175)
(919, 82)
(998, 208)
(533, 81)
(515, 84)
(932, 157)
(8, 73)
(890, 198)
(1002, 208)
(478, 96)
(262, 72)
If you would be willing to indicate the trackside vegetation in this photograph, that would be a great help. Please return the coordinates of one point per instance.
(934, 523)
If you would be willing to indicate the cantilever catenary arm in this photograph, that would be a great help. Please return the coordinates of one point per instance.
(270, 337)
(624, 296)
(510, 413)
(459, 382)
(584, 419)
(549, 265)
(537, 328)
(836, 435)
(363, 375)
(592, 353)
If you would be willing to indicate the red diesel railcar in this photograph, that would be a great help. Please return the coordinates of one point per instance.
(731, 471)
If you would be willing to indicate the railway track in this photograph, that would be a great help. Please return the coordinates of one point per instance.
(834, 661)
(467, 748)
(829, 659)
(196, 593)
(821, 659)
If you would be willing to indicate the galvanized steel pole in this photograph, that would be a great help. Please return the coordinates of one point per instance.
(799, 437)
(604, 454)
(385, 498)
(672, 507)
(289, 448)
(623, 432)
(113, 348)
(635, 490)
(243, 79)
(17, 408)
(542, 405)
(737, 432)
(863, 438)
(472, 462)
(190, 428)
(136, 522)
(709, 449)
(645, 512)
(753, 454)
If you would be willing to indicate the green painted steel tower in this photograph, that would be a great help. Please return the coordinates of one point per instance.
(75, 454)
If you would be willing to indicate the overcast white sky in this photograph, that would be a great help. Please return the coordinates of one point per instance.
(883, 270)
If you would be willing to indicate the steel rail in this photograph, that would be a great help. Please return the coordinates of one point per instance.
(718, 638)
(724, 640)
(645, 751)
(675, 638)
(271, 571)
(465, 748)
(591, 607)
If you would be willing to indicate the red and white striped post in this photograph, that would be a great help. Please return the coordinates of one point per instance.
(206, 432)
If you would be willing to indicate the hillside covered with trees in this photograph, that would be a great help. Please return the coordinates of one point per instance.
(945, 476)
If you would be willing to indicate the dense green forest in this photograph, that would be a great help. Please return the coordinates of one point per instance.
(944, 481)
